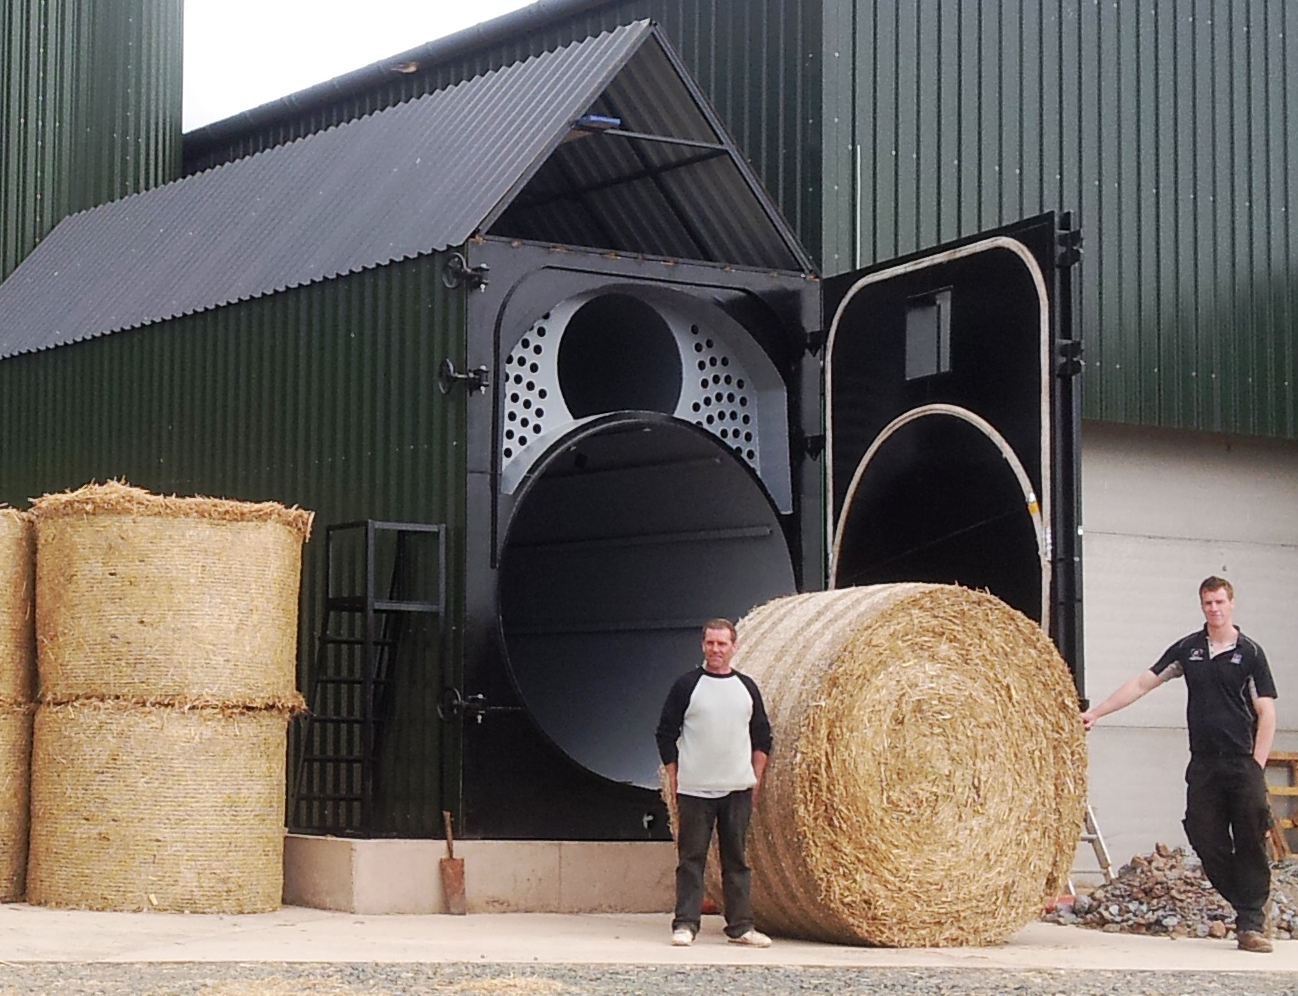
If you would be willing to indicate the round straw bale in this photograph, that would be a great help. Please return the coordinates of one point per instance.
(17, 626)
(166, 599)
(15, 755)
(928, 785)
(142, 808)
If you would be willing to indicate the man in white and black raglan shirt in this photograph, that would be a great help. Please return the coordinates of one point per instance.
(714, 739)
(1230, 712)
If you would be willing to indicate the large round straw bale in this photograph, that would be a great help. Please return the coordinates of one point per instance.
(15, 757)
(927, 786)
(17, 629)
(167, 599)
(141, 808)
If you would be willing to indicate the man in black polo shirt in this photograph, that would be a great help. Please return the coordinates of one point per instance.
(1230, 712)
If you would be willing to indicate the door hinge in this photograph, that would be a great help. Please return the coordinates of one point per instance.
(1070, 248)
(1068, 358)
(816, 339)
(814, 445)
(476, 380)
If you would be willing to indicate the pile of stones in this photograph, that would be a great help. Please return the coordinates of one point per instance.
(1166, 893)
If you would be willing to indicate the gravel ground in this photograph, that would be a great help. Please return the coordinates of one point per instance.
(234, 979)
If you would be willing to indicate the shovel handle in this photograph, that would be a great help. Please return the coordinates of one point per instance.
(450, 841)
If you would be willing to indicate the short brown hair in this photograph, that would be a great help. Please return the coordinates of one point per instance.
(721, 624)
(1214, 583)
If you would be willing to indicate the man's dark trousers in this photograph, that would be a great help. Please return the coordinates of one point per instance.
(1226, 820)
(696, 817)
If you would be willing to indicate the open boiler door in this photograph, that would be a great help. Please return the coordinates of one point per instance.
(952, 421)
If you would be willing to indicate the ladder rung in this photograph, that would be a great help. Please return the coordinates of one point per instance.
(355, 641)
(356, 603)
(339, 679)
(390, 606)
(1288, 790)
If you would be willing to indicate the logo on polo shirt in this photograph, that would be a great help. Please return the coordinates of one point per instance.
(1196, 654)
(1236, 657)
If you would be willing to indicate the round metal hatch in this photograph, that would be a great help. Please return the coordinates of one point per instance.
(627, 535)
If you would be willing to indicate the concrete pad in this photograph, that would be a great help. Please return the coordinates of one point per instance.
(295, 934)
(383, 876)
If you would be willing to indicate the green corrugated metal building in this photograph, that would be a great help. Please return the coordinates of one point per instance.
(883, 127)
(225, 334)
(879, 128)
(90, 97)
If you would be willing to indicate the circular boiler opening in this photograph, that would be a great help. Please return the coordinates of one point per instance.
(633, 532)
(938, 502)
(617, 354)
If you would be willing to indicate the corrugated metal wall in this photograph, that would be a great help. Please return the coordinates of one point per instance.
(1171, 126)
(90, 102)
(758, 62)
(322, 396)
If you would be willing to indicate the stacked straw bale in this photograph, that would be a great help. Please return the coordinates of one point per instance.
(139, 807)
(928, 782)
(17, 688)
(166, 633)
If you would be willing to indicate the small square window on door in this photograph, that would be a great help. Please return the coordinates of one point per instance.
(928, 334)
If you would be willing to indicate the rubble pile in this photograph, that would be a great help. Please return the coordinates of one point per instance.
(1166, 893)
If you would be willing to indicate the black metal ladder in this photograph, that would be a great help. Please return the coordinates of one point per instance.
(335, 785)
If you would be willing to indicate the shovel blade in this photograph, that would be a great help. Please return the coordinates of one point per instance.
(453, 885)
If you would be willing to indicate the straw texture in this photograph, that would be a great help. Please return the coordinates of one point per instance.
(166, 634)
(142, 808)
(928, 782)
(166, 599)
(17, 687)
(15, 758)
(17, 632)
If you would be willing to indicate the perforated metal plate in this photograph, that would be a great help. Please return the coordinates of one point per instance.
(629, 349)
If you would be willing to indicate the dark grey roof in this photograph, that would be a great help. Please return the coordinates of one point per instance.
(410, 180)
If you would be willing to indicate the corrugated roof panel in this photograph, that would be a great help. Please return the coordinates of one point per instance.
(416, 178)
(772, 48)
(408, 180)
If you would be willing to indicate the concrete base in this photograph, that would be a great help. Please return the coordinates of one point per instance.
(501, 876)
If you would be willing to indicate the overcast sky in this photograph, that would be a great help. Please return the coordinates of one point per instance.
(242, 53)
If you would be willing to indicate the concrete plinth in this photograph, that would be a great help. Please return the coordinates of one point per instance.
(501, 876)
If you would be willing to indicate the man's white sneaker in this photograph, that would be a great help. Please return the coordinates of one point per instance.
(683, 937)
(752, 938)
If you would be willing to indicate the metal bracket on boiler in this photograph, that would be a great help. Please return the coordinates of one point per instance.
(474, 707)
(476, 380)
(458, 271)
